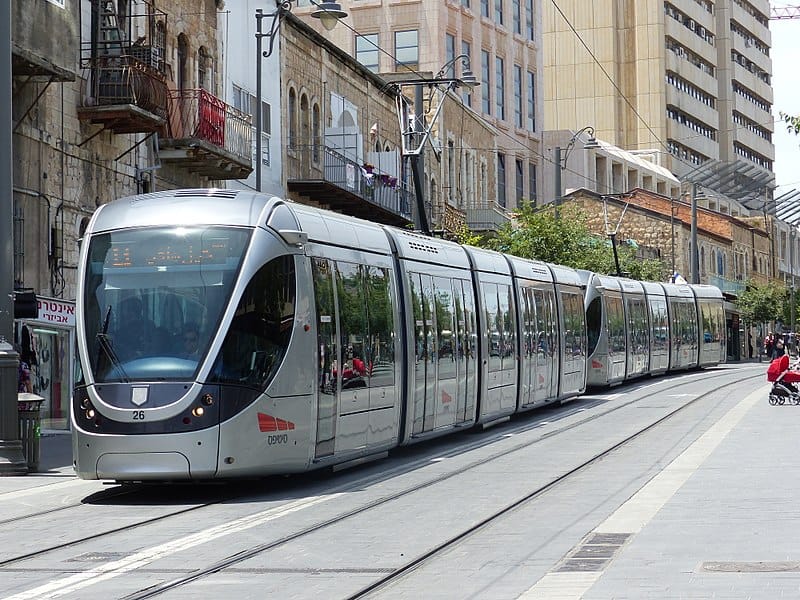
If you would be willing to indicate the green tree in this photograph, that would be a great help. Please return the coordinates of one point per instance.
(760, 303)
(792, 122)
(567, 241)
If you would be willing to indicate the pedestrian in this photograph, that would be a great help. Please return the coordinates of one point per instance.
(768, 343)
(778, 349)
(24, 383)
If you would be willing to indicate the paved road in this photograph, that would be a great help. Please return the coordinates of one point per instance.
(701, 506)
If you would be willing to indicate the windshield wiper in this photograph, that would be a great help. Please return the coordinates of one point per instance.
(104, 343)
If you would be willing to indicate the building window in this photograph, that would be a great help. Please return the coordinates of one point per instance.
(516, 15)
(529, 19)
(500, 92)
(532, 183)
(450, 53)
(205, 73)
(520, 181)
(465, 3)
(485, 8)
(498, 12)
(501, 179)
(183, 57)
(466, 50)
(292, 110)
(316, 139)
(367, 51)
(531, 101)
(518, 108)
(486, 83)
(406, 48)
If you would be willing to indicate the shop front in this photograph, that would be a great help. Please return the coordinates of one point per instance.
(47, 344)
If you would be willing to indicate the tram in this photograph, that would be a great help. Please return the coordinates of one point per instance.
(225, 333)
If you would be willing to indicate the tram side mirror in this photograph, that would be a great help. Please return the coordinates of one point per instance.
(25, 304)
(293, 237)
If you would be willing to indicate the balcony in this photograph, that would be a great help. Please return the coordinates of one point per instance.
(124, 95)
(327, 177)
(207, 136)
(726, 285)
(492, 218)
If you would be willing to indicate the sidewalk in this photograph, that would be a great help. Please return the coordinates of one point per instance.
(55, 452)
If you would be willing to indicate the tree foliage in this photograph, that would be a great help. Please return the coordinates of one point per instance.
(566, 240)
(792, 122)
(761, 303)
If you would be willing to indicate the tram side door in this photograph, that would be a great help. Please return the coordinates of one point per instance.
(328, 357)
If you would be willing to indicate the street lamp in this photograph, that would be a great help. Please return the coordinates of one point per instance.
(561, 160)
(413, 138)
(329, 13)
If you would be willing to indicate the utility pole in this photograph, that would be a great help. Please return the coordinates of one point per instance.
(557, 200)
(12, 462)
(695, 250)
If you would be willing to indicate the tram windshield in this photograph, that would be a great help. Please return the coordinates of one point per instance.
(153, 299)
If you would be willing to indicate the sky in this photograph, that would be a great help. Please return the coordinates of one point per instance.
(786, 88)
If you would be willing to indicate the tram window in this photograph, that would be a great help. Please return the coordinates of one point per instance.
(259, 334)
(508, 327)
(380, 314)
(352, 324)
(593, 323)
(326, 324)
(443, 306)
(494, 325)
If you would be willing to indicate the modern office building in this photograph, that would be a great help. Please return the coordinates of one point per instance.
(690, 78)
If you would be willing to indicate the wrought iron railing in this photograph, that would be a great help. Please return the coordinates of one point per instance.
(316, 162)
(491, 218)
(114, 80)
(198, 114)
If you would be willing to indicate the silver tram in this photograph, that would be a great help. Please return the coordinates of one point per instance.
(224, 333)
(646, 328)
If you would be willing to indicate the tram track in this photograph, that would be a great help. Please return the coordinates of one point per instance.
(446, 545)
(411, 565)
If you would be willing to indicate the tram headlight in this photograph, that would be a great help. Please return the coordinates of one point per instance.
(207, 399)
(198, 411)
(90, 414)
(86, 403)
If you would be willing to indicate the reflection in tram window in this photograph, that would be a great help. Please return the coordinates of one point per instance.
(328, 351)
(261, 328)
(380, 328)
(494, 326)
(352, 324)
(443, 302)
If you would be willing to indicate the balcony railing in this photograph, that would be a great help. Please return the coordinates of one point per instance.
(328, 177)
(124, 94)
(726, 285)
(492, 218)
(207, 135)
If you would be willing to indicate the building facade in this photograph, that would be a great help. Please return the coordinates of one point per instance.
(502, 40)
(691, 78)
(124, 100)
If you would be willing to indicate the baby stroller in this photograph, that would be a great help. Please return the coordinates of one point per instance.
(784, 380)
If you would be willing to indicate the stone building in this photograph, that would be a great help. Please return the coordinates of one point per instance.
(109, 98)
(731, 249)
(502, 42)
(340, 126)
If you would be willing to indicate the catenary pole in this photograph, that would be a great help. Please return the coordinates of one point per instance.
(12, 462)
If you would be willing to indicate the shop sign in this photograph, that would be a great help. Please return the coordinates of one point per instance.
(56, 312)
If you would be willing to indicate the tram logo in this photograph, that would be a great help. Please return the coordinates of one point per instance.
(270, 423)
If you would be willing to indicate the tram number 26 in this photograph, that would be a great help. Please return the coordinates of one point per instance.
(138, 415)
(281, 438)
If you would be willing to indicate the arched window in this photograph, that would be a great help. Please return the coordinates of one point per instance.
(315, 132)
(292, 110)
(183, 57)
(205, 71)
(703, 259)
(305, 121)
(721, 263)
